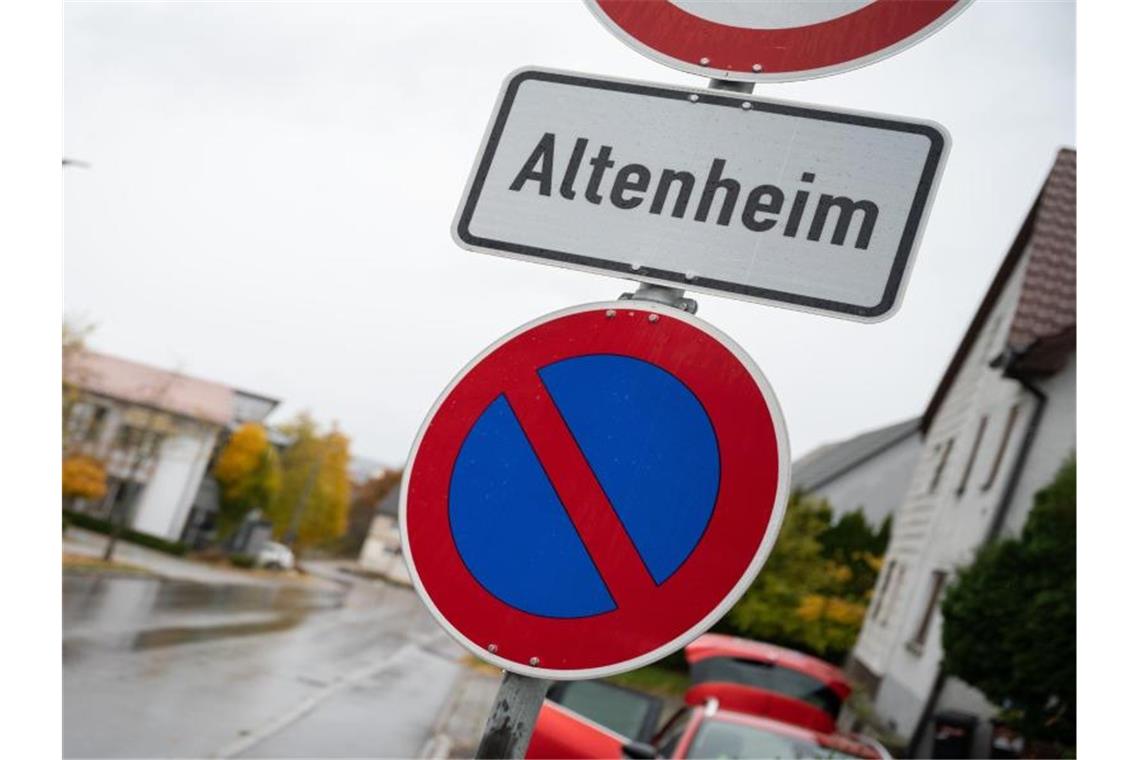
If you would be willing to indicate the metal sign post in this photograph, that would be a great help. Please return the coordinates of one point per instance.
(512, 719)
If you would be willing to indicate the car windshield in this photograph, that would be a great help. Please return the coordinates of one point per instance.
(722, 739)
(620, 710)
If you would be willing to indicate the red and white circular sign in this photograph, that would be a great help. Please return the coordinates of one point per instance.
(772, 40)
(594, 490)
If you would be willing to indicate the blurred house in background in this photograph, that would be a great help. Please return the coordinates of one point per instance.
(156, 432)
(382, 552)
(1000, 424)
(363, 469)
(870, 472)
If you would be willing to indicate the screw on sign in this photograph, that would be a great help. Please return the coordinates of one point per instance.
(773, 40)
(594, 490)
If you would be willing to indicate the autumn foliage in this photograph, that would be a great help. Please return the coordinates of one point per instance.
(249, 473)
(813, 591)
(315, 485)
(83, 478)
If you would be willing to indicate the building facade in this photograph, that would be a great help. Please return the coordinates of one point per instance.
(999, 426)
(156, 433)
(869, 472)
(382, 552)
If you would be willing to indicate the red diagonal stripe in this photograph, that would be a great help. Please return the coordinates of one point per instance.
(611, 548)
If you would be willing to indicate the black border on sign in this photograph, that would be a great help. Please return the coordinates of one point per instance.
(708, 97)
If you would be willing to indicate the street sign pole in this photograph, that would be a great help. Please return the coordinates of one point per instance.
(511, 723)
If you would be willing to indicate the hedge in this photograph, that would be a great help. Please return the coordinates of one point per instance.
(99, 525)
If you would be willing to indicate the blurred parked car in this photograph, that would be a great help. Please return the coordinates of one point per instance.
(747, 699)
(275, 556)
(706, 731)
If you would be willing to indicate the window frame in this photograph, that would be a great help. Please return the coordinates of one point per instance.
(946, 448)
(999, 456)
(917, 640)
(881, 598)
(978, 437)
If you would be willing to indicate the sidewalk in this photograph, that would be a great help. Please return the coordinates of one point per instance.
(460, 723)
(89, 544)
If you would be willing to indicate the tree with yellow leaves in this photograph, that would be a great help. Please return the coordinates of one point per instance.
(312, 506)
(249, 473)
(83, 478)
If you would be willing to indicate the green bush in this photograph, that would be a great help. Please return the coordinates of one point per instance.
(99, 525)
(243, 560)
(1010, 620)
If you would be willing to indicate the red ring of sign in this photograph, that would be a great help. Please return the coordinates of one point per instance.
(649, 622)
(839, 43)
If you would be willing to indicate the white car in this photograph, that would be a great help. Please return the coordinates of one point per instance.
(275, 556)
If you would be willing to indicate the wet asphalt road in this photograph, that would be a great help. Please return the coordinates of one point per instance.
(158, 668)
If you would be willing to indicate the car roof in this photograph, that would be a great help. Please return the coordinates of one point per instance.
(718, 645)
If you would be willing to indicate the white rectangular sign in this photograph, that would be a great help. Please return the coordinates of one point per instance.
(810, 208)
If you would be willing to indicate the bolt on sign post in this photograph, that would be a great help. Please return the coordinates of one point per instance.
(598, 487)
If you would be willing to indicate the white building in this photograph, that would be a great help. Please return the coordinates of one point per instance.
(382, 552)
(870, 471)
(999, 426)
(153, 429)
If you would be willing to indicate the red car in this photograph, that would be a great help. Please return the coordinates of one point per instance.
(762, 679)
(748, 699)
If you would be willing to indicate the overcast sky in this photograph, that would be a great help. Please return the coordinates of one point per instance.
(273, 185)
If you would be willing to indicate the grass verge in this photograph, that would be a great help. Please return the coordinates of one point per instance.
(654, 679)
(82, 564)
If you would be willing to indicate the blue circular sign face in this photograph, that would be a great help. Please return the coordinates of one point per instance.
(648, 441)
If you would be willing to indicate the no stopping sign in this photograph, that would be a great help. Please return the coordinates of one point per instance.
(594, 490)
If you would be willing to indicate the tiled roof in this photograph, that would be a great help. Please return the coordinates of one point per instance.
(150, 386)
(1043, 331)
(822, 465)
(1048, 303)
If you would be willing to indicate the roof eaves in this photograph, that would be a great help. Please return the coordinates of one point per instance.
(1005, 271)
(904, 431)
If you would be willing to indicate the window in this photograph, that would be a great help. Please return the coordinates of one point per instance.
(769, 677)
(883, 590)
(629, 713)
(894, 594)
(937, 580)
(973, 454)
(78, 420)
(667, 738)
(1010, 421)
(95, 427)
(726, 737)
(946, 447)
(137, 441)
